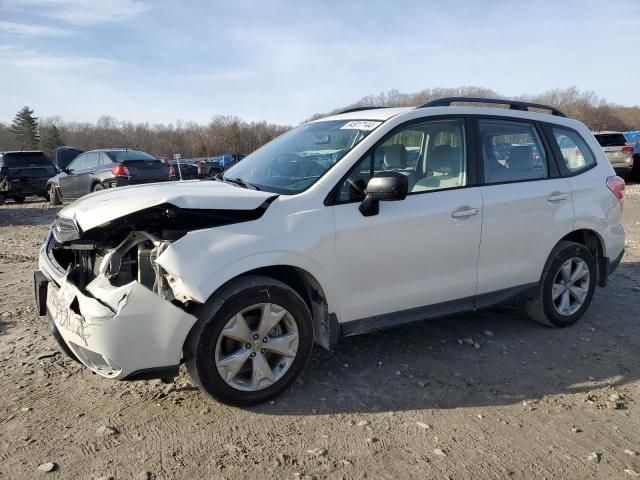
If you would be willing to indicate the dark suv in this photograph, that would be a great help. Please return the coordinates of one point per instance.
(107, 168)
(23, 174)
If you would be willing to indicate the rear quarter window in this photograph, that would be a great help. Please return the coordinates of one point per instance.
(575, 152)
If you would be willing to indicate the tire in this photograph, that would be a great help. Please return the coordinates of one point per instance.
(577, 260)
(54, 196)
(3, 198)
(18, 199)
(98, 187)
(205, 343)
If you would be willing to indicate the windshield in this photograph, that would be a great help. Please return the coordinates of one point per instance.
(294, 161)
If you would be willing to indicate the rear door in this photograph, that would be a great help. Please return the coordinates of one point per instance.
(85, 176)
(527, 206)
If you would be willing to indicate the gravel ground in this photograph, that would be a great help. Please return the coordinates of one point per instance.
(416, 402)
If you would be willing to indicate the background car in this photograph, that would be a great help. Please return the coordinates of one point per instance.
(618, 151)
(634, 139)
(63, 156)
(23, 174)
(106, 168)
(210, 167)
(182, 170)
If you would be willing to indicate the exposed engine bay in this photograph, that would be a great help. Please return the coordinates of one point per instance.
(125, 250)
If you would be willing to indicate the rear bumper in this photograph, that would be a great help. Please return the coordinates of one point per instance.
(607, 267)
(126, 181)
(22, 187)
(123, 333)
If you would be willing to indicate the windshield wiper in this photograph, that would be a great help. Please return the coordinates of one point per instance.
(241, 182)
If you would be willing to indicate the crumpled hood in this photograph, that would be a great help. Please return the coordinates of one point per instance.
(101, 207)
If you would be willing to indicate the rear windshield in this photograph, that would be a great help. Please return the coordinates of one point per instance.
(611, 139)
(131, 156)
(25, 160)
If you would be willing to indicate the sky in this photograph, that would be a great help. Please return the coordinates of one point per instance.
(282, 61)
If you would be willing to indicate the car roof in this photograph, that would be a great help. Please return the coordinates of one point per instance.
(385, 114)
(21, 151)
(370, 114)
(107, 150)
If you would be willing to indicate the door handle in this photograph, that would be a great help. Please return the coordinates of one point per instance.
(557, 197)
(464, 212)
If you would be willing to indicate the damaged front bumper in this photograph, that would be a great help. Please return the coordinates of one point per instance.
(122, 332)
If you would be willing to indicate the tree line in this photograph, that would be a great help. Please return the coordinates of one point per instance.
(584, 105)
(225, 134)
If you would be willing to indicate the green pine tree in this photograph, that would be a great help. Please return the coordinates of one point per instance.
(25, 129)
(52, 141)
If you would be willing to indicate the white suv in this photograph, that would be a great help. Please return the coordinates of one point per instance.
(363, 220)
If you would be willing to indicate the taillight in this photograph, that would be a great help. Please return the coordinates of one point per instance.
(616, 185)
(120, 171)
(627, 149)
(172, 170)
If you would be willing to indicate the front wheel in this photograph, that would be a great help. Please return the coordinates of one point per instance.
(18, 199)
(54, 195)
(252, 340)
(566, 288)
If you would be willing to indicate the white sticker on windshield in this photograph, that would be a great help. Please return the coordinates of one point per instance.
(360, 125)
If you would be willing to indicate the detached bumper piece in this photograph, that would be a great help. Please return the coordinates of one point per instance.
(124, 332)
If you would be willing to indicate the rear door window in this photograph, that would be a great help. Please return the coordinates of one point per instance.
(574, 150)
(511, 151)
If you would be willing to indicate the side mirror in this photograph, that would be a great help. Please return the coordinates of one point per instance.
(387, 186)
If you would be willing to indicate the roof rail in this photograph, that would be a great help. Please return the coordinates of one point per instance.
(513, 104)
(358, 109)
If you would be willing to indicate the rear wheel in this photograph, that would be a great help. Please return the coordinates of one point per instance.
(3, 198)
(19, 198)
(97, 187)
(251, 341)
(566, 288)
(54, 195)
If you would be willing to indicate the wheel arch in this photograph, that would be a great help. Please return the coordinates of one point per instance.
(326, 329)
(595, 244)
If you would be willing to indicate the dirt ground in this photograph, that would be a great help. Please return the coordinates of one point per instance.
(414, 402)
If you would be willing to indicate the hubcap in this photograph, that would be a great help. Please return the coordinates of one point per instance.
(570, 286)
(257, 347)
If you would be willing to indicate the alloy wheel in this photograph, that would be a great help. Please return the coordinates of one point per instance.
(570, 286)
(256, 347)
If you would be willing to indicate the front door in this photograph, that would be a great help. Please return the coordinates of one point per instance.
(68, 183)
(417, 252)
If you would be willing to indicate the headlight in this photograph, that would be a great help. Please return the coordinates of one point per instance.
(65, 229)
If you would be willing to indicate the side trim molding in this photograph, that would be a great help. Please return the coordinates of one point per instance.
(501, 297)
